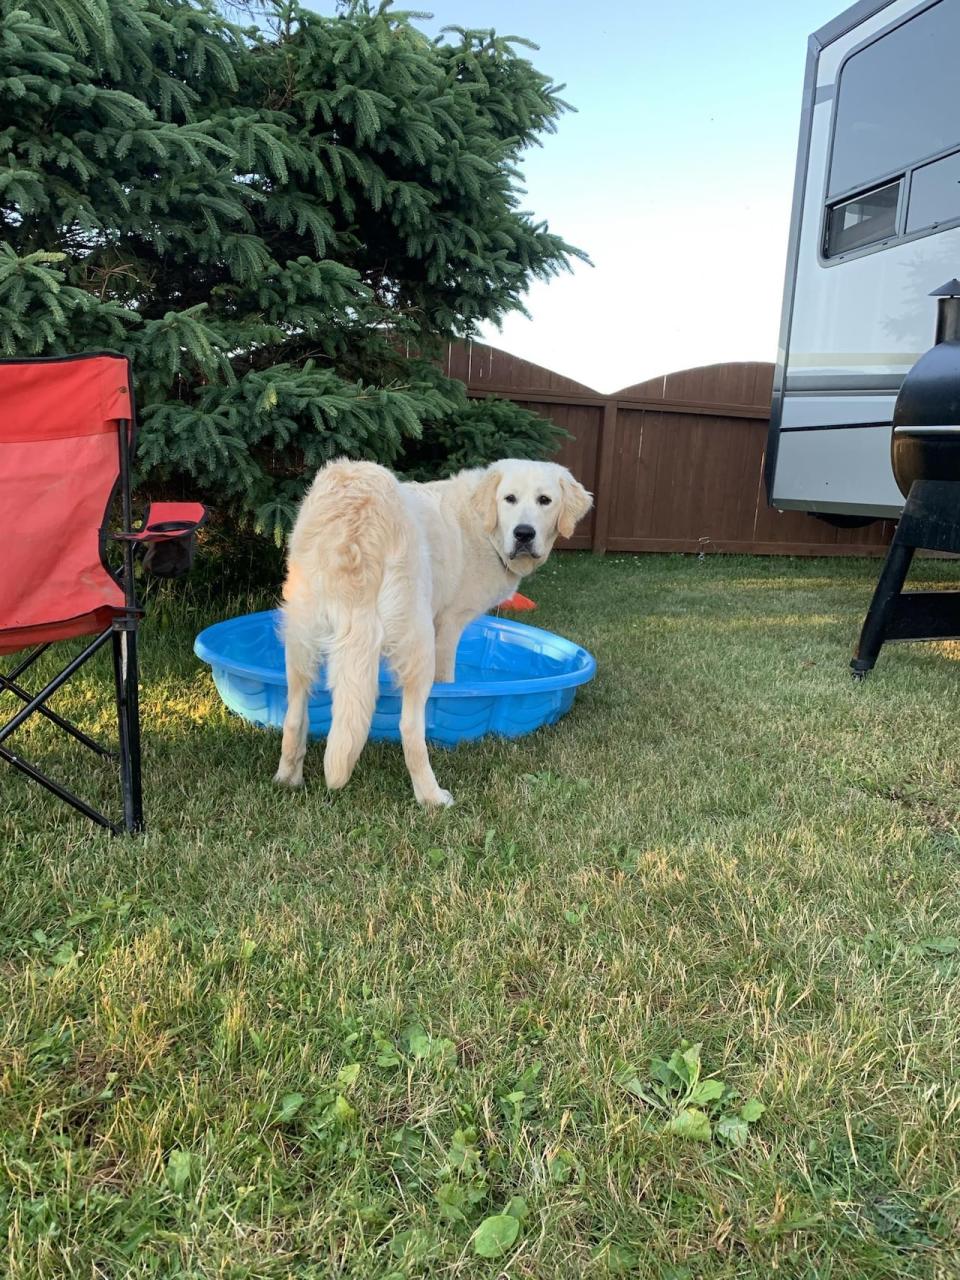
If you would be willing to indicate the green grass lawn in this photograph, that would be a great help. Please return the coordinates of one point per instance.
(290, 1035)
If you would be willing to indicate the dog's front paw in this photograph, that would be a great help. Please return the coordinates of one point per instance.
(289, 775)
(438, 799)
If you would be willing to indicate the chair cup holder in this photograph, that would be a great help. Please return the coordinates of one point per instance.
(171, 557)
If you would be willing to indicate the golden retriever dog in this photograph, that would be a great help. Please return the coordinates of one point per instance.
(378, 567)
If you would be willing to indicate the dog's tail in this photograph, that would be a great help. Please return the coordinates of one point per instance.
(350, 525)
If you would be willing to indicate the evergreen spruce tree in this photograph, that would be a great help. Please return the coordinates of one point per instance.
(268, 221)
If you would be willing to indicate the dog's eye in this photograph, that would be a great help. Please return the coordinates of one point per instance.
(544, 500)
(511, 498)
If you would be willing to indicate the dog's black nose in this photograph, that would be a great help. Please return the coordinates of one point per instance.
(524, 533)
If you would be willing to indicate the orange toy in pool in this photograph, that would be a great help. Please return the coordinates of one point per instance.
(517, 602)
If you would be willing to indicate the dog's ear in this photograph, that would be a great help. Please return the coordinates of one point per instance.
(485, 498)
(575, 502)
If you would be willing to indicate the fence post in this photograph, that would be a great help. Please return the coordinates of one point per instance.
(603, 497)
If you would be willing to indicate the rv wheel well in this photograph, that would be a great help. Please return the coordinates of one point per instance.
(840, 521)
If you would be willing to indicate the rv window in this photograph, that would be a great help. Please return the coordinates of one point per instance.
(934, 194)
(864, 220)
(897, 100)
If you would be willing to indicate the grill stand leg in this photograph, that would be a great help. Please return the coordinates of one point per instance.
(930, 521)
(882, 606)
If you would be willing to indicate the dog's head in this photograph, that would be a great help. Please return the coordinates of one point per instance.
(525, 506)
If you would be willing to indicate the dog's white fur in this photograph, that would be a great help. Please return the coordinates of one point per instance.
(376, 567)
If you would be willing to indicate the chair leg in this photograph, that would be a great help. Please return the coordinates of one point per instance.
(28, 661)
(31, 771)
(887, 592)
(126, 676)
(48, 690)
(9, 685)
(36, 704)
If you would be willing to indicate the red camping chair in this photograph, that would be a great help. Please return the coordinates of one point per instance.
(66, 437)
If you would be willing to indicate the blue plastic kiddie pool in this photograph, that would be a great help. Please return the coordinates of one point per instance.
(511, 679)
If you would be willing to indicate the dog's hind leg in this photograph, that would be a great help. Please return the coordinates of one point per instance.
(413, 660)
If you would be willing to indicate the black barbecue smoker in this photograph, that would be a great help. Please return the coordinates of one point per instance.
(925, 447)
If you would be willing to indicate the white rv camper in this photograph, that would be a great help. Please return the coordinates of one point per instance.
(875, 228)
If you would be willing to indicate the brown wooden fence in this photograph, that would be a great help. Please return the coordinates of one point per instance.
(674, 464)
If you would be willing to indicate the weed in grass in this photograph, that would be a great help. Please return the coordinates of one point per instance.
(689, 1105)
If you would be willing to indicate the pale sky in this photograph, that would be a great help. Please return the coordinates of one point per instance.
(675, 175)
